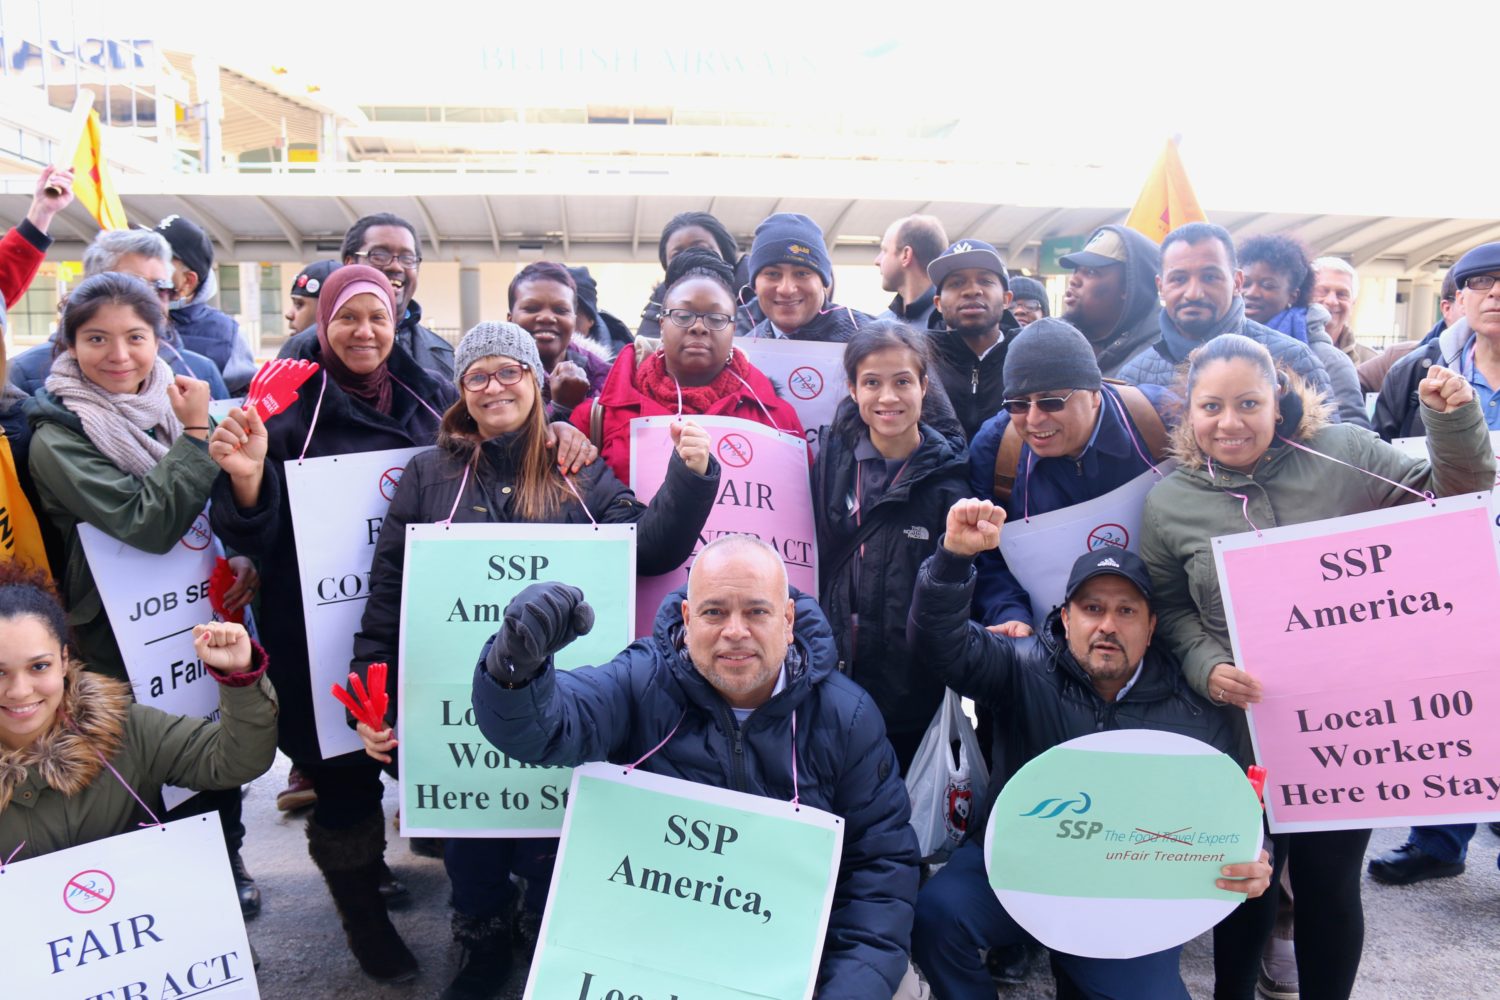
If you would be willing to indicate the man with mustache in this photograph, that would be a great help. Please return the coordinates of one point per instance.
(1093, 667)
(1200, 284)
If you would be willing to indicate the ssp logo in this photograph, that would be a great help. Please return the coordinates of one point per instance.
(1068, 829)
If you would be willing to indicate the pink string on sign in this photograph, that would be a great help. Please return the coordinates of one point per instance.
(796, 790)
(1244, 500)
(418, 398)
(1130, 430)
(461, 484)
(568, 482)
(317, 409)
(6, 863)
(1427, 495)
(120, 778)
(664, 742)
(753, 395)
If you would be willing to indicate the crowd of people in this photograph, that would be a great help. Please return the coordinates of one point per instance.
(968, 405)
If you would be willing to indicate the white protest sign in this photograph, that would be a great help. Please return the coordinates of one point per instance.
(147, 915)
(811, 374)
(1040, 550)
(665, 887)
(153, 602)
(337, 505)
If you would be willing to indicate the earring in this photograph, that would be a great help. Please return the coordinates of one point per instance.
(1280, 418)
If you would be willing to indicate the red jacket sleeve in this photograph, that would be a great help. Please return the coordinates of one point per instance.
(22, 251)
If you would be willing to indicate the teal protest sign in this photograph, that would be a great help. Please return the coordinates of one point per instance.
(665, 887)
(1108, 845)
(458, 580)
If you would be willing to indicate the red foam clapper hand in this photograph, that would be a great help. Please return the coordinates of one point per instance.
(275, 386)
(219, 582)
(1257, 775)
(367, 706)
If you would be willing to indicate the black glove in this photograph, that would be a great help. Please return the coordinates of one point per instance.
(539, 621)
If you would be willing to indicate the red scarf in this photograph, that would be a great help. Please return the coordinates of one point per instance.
(653, 380)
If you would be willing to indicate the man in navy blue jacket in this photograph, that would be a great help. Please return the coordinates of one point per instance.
(736, 674)
(1091, 445)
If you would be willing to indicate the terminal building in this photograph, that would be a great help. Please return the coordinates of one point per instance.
(580, 153)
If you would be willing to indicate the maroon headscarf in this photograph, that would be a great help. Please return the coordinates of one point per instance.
(341, 286)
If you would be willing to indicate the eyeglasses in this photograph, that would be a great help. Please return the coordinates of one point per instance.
(1480, 282)
(479, 381)
(685, 318)
(381, 257)
(164, 288)
(1047, 404)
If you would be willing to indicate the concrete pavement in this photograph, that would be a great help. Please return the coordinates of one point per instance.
(1433, 941)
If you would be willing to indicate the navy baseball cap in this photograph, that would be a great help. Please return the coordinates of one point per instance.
(1120, 562)
(967, 253)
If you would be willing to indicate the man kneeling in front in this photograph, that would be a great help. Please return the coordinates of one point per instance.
(735, 673)
(1092, 667)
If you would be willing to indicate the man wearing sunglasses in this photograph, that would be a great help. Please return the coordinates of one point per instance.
(1470, 345)
(1063, 437)
(140, 253)
(389, 244)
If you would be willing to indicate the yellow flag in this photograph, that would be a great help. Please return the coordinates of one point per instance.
(92, 185)
(1167, 201)
(20, 537)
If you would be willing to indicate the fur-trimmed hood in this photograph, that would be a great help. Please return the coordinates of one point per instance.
(1299, 404)
(90, 723)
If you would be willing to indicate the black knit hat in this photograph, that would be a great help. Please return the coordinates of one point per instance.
(1022, 287)
(789, 238)
(1050, 354)
(189, 245)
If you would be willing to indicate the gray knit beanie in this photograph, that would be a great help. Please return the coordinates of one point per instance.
(1050, 354)
(490, 340)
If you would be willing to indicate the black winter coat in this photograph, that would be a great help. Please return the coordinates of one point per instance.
(898, 532)
(666, 533)
(1038, 691)
(975, 387)
(345, 426)
(821, 724)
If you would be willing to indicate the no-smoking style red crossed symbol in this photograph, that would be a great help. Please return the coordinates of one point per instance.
(89, 891)
(388, 480)
(198, 534)
(805, 383)
(735, 450)
(1109, 534)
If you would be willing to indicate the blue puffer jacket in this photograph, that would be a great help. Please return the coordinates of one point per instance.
(1159, 365)
(619, 711)
(215, 335)
(1043, 485)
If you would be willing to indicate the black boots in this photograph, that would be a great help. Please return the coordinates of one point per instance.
(352, 864)
(486, 957)
(244, 887)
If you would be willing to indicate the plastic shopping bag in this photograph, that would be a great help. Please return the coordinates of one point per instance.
(946, 775)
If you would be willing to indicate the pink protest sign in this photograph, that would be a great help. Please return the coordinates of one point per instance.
(764, 490)
(1373, 636)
